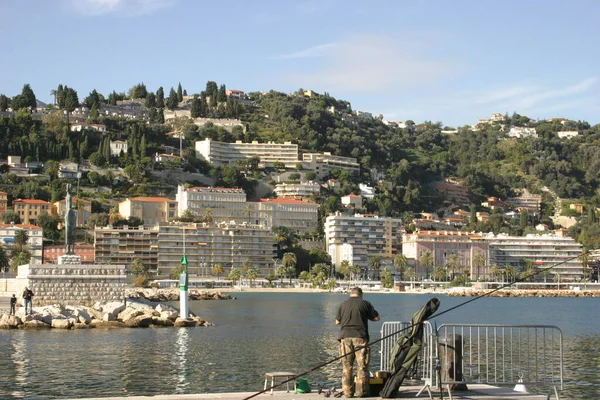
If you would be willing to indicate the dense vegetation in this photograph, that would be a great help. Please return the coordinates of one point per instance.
(488, 161)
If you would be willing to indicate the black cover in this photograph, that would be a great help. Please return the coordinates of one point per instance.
(407, 348)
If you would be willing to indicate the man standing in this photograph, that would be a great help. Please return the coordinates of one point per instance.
(27, 296)
(353, 316)
(13, 304)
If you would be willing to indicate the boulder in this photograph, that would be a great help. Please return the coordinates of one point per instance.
(129, 313)
(106, 324)
(141, 321)
(79, 325)
(34, 324)
(108, 317)
(113, 307)
(62, 323)
(184, 322)
(162, 321)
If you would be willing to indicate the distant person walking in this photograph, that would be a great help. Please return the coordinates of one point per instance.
(28, 296)
(13, 304)
(353, 316)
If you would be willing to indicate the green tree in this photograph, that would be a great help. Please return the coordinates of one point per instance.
(400, 262)
(479, 261)
(10, 217)
(179, 93)
(252, 274)
(374, 265)
(160, 97)
(4, 103)
(387, 280)
(289, 261)
(427, 261)
(18, 259)
(218, 270)
(4, 260)
(234, 275)
(453, 265)
(172, 100)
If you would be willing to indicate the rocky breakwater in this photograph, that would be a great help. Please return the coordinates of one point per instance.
(526, 293)
(134, 313)
(172, 294)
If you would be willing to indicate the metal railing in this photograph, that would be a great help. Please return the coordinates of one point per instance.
(498, 355)
(392, 332)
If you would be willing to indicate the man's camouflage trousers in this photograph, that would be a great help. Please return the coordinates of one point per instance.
(348, 349)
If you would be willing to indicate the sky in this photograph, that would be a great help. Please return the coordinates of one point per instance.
(450, 61)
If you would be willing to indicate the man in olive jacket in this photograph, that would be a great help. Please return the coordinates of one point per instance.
(353, 316)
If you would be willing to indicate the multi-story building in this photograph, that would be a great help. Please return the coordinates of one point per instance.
(297, 215)
(3, 202)
(84, 250)
(302, 189)
(369, 236)
(353, 201)
(543, 250)
(454, 191)
(81, 207)
(221, 204)
(440, 245)
(323, 163)
(29, 210)
(34, 243)
(227, 205)
(221, 153)
(123, 244)
(118, 146)
(340, 253)
(151, 210)
(530, 202)
(207, 245)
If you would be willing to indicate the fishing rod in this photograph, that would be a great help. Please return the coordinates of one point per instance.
(464, 303)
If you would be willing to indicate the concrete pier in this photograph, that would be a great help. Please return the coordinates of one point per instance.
(475, 392)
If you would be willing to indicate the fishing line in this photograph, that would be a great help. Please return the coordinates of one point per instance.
(486, 294)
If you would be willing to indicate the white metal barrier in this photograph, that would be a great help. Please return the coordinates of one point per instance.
(501, 355)
(392, 332)
(485, 354)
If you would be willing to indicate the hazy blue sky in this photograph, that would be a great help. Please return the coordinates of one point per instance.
(451, 61)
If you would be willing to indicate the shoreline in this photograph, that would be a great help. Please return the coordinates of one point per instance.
(460, 292)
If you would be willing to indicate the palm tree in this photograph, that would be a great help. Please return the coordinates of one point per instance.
(479, 262)
(113, 215)
(375, 264)
(245, 268)
(218, 270)
(21, 239)
(345, 268)
(53, 93)
(439, 274)
(234, 275)
(426, 261)
(289, 261)
(252, 274)
(511, 272)
(400, 262)
(19, 259)
(411, 274)
(453, 265)
(495, 271)
(139, 269)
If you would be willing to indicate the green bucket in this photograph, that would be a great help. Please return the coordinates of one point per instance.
(302, 386)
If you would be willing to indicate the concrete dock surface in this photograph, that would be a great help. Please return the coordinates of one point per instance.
(475, 392)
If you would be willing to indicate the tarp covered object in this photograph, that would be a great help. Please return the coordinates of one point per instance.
(407, 348)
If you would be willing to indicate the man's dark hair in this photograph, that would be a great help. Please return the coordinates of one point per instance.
(356, 292)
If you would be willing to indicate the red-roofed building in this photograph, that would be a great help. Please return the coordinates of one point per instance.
(29, 210)
(151, 210)
(236, 94)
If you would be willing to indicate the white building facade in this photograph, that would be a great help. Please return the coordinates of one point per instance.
(221, 153)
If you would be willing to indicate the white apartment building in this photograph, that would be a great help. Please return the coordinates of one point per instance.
(369, 236)
(223, 204)
(352, 201)
(340, 253)
(207, 245)
(323, 163)
(118, 146)
(568, 134)
(301, 189)
(441, 245)
(230, 205)
(543, 250)
(297, 215)
(521, 132)
(221, 153)
(35, 242)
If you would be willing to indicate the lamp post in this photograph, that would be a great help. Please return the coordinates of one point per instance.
(183, 284)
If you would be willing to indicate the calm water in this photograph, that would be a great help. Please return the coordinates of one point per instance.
(256, 333)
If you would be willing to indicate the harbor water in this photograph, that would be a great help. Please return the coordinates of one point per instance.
(258, 333)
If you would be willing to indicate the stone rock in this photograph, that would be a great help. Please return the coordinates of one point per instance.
(113, 307)
(162, 321)
(108, 317)
(106, 324)
(62, 323)
(129, 314)
(141, 321)
(184, 322)
(172, 315)
(34, 324)
(79, 325)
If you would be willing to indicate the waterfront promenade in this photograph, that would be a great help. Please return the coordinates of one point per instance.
(475, 392)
